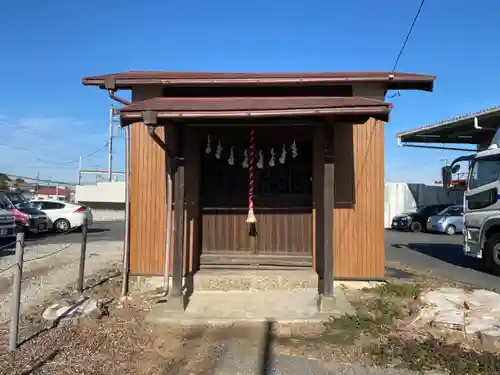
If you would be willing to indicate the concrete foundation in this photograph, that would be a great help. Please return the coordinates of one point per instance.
(226, 298)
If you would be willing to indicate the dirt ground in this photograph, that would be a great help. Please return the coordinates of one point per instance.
(382, 333)
(120, 342)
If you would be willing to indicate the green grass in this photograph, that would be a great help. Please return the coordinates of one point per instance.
(374, 317)
(434, 354)
(383, 345)
(389, 290)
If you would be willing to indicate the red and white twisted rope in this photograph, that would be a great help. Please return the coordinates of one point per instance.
(251, 165)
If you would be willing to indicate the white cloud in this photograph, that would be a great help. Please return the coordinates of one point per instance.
(52, 146)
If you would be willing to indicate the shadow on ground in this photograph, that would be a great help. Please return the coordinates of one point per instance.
(398, 273)
(446, 252)
(77, 230)
(7, 247)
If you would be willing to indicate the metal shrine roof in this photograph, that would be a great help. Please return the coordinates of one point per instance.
(231, 107)
(393, 80)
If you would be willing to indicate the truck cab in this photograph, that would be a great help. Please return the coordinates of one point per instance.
(481, 205)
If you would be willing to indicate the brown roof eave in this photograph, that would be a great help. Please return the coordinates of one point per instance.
(250, 104)
(378, 112)
(393, 81)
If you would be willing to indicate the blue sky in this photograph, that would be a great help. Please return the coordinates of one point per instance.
(49, 119)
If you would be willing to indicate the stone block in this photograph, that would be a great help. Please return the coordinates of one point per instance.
(490, 339)
(253, 280)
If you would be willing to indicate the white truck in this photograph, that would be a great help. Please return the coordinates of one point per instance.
(481, 204)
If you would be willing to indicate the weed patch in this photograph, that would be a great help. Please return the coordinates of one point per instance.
(433, 354)
(390, 290)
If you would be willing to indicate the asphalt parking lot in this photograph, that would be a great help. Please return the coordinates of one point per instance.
(438, 254)
(99, 231)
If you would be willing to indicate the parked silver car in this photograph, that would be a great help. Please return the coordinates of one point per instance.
(448, 221)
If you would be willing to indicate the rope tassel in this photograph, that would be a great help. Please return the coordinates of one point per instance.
(251, 216)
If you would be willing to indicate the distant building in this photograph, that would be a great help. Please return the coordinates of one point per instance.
(53, 192)
(19, 186)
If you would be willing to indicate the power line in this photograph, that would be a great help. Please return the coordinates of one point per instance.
(60, 167)
(76, 160)
(405, 42)
(408, 35)
(38, 179)
(14, 147)
(2, 143)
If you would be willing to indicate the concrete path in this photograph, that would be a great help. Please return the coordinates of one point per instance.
(239, 358)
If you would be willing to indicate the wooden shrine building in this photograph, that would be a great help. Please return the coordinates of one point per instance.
(305, 151)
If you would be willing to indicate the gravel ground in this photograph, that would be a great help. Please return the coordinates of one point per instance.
(123, 344)
(50, 268)
(120, 342)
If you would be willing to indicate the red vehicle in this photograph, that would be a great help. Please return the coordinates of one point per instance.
(29, 219)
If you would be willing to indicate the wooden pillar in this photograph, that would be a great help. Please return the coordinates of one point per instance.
(191, 198)
(317, 187)
(175, 297)
(328, 201)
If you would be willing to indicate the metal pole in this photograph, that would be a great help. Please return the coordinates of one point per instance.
(80, 171)
(110, 144)
(16, 292)
(126, 242)
(83, 252)
(169, 224)
(37, 183)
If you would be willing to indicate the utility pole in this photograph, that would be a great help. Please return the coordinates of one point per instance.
(110, 143)
(80, 171)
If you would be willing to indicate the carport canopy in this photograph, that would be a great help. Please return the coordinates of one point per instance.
(473, 129)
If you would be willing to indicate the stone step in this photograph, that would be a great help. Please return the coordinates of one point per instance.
(256, 305)
(251, 280)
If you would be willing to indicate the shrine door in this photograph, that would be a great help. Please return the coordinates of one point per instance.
(282, 192)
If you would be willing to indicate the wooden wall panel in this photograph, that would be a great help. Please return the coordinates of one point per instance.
(359, 224)
(277, 233)
(147, 203)
(285, 233)
(225, 232)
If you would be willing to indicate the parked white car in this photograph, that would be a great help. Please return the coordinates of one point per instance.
(63, 215)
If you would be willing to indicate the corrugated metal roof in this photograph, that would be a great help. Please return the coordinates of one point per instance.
(458, 129)
(393, 80)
